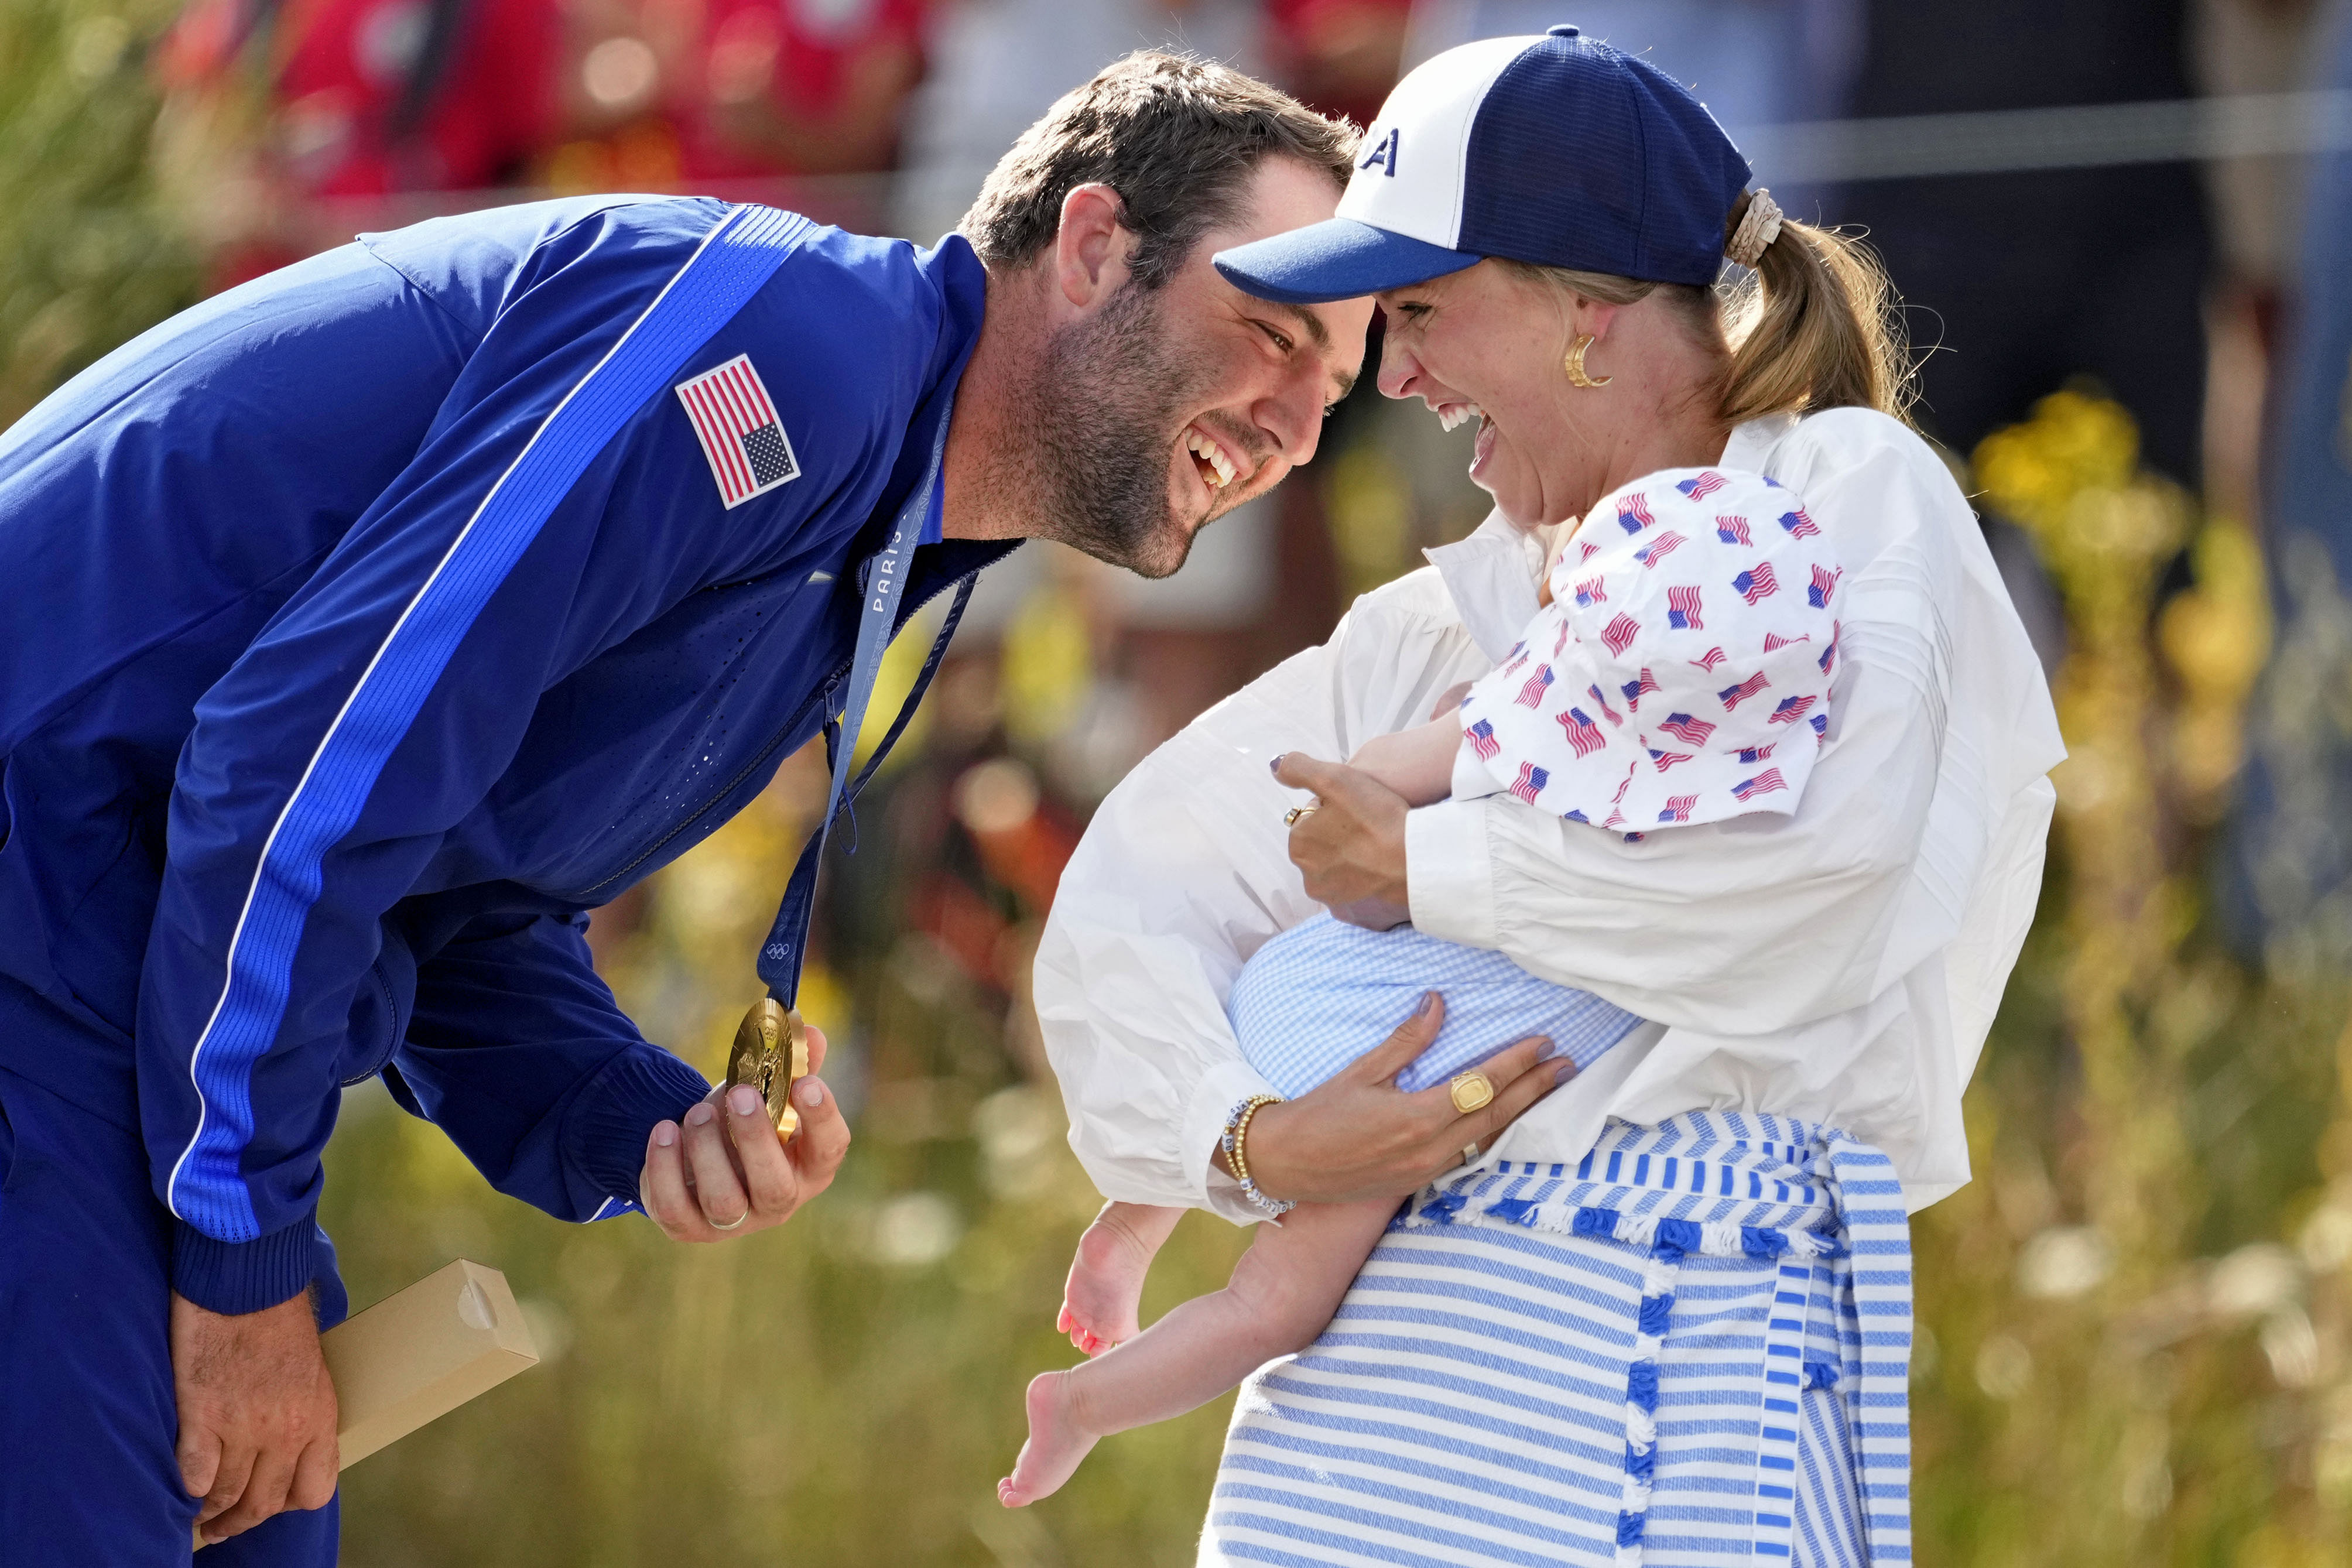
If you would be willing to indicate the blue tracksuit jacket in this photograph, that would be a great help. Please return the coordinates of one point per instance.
(341, 672)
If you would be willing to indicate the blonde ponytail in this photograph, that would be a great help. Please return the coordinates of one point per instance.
(1815, 329)
(1813, 326)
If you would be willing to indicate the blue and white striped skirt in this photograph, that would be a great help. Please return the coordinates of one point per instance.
(1691, 1347)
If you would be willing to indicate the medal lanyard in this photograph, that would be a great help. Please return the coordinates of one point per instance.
(782, 954)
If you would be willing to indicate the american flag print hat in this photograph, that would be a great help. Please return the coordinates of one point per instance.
(1693, 625)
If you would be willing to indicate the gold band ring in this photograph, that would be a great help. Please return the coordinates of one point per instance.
(1290, 818)
(1470, 1152)
(1471, 1090)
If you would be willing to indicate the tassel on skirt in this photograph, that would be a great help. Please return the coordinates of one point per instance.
(1690, 1347)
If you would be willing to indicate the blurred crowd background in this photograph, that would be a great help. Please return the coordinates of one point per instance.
(2136, 1324)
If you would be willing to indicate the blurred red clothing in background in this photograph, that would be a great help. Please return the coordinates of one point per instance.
(1339, 57)
(379, 95)
(797, 87)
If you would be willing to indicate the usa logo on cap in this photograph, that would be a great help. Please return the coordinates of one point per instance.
(741, 436)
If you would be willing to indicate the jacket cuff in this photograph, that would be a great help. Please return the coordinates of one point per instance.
(1223, 1087)
(238, 1276)
(604, 1142)
(1450, 873)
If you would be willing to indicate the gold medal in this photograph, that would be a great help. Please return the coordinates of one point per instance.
(770, 1054)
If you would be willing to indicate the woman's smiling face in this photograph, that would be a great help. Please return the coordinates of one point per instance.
(1486, 344)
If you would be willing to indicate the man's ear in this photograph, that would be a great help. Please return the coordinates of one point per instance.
(1092, 245)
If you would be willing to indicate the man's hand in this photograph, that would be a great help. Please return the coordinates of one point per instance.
(257, 1413)
(726, 1173)
(1357, 1136)
(1350, 847)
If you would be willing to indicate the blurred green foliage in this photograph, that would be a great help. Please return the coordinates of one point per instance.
(88, 256)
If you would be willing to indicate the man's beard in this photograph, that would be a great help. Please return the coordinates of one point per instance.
(1105, 404)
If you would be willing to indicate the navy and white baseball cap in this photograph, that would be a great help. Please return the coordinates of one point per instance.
(1555, 150)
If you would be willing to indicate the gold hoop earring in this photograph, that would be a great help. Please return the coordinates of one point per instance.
(1577, 374)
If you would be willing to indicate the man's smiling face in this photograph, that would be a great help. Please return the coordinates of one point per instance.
(1161, 410)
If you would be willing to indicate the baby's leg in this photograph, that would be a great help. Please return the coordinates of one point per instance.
(1283, 1292)
(1106, 1283)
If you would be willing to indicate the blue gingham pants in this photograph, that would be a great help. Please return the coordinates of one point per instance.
(1690, 1347)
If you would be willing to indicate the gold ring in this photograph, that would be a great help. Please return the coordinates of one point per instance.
(1290, 818)
(1470, 1152)
(1471, 1090)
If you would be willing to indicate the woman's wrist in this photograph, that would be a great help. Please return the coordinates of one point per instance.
(1269, 1154)
(1234, 1145)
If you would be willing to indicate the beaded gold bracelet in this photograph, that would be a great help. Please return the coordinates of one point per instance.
(1238, 1122)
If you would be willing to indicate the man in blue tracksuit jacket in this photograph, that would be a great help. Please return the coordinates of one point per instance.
(366, 626)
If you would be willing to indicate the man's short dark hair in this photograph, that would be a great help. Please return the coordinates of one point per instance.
(1178, 138)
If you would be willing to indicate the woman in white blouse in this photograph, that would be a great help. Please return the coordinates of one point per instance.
(1664, 1312)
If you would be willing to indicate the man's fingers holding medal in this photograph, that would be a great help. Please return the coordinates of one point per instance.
(723, 1172)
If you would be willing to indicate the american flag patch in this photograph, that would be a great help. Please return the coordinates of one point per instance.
(1828, 654)
(1684, 728)
(741, 436)
(1634, 689)
(1590, 552)
(1576, 817)
(1824, 584)
(1588, 592)
(1791, 710)
(1606, 712)
(1732, 530)
(1798, 525)
(1481, 737)
(1714, 656)
(1701, 487)
(1619, 633)
(1662, 761)
(1682, 610)
(1678, 808)
(1518, 656)
(1532, 694)
(1658, 549)
(1560, 641)
(1757, 582)
(1733, 696)
(1530, 782)
(1756, 754)
(1820, 723)
(1633, 514)
(1764, 783)
(1582, 733)
(1773, 640)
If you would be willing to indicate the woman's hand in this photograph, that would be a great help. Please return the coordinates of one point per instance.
(1350, 847)
(726, 1173)
(1357, 1136)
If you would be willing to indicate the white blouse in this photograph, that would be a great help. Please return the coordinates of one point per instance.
(1842, 964)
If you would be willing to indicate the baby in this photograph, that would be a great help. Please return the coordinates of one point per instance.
(1679, 673)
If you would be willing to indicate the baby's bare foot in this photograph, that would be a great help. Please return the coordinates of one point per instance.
(1057, 1441)
(1105, 1290)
